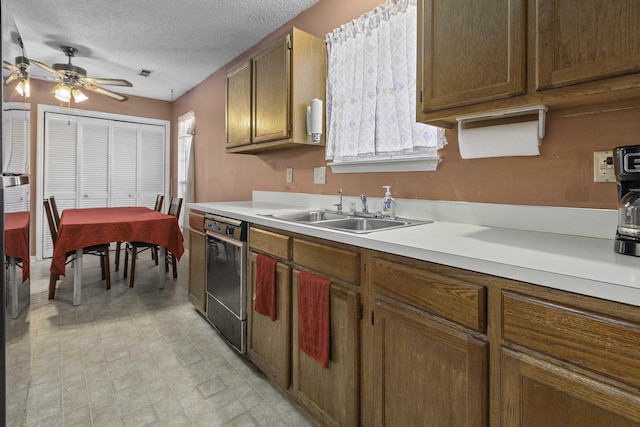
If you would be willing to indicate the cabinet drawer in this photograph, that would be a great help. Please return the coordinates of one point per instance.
(453, 299)
(196, 220)
(600, 343)
(339, 263)
(269, 242)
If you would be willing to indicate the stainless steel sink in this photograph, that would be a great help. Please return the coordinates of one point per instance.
(362, 225)
(308, 216)
(345, 222)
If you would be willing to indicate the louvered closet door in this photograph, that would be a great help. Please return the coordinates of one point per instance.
(15, 141)
(124, 168)
(60, 168)
(15, 157)
(94, 162)
(151, 176)
(93, 155)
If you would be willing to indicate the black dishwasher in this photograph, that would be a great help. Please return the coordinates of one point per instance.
(227, 278)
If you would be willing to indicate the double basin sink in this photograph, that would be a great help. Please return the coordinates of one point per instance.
(346, 222)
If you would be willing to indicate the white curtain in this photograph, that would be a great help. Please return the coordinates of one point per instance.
(186, 162)
(371, 87)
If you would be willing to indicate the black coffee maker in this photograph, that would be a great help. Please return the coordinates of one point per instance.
(627, 169)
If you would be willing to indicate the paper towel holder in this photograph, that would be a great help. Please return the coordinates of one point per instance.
(511, 115)
(314, 120)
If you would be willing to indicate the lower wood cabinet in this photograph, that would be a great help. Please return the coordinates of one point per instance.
(197, 262)
(537, 393)
(331, 393)
(427, 373)
(269, 341)
(564, 364)
(415, 343)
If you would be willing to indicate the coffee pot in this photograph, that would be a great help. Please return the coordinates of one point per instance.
(627, 170)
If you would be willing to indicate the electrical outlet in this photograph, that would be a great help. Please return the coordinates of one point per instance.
(320, 175)
(603, 167)
(289, 175)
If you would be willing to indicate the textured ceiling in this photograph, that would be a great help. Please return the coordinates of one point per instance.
(182, 42)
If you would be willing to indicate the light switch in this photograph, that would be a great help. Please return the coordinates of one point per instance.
(289, 175)
(603, 167)
(320, 175)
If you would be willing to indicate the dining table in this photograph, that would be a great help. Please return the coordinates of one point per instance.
(16, 248)
(84, 227)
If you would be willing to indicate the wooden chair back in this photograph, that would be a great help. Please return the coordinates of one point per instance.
(54, 211)
(53, 229)
(175, 205)
(159, 201)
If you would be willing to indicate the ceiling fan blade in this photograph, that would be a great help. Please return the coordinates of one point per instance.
(47, 78)
(103, 91)
(10, 78)
(7, 66)
(49, 69)
(108, 82)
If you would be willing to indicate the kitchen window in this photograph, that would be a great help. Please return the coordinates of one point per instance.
(371, 95)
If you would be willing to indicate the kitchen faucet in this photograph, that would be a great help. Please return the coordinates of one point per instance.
(339, 205)
(365, 210)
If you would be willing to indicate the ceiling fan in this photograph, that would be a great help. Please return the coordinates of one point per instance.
(70, 76)
(18, 71)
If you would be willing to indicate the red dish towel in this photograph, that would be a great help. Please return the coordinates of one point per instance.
(266, 286)
(313, 300)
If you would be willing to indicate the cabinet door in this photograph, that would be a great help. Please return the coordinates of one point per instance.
(239, 105)
(427, 374)
(331, 393)
(271, 92)
(93, 154)
(152, 164)
(124, 171)
(586, 40)
(197, 269)
(16, 125)
(469, 51)
(537, 393)
(60, 168)
(269, 342)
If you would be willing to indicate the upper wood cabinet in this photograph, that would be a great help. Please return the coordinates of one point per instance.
(585, 41)
(470, 51)
(482, 55)
(267, 101)
(239, 105)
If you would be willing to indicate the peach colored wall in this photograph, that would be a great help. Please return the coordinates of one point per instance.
(561, 176)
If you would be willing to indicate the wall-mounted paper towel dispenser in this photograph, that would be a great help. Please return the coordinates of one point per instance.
(314, 120)
(513, 132)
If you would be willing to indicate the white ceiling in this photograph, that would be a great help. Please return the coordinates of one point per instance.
(182, 42)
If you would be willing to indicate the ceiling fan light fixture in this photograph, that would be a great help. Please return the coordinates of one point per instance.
(62, 92)
(23, 88)
(78, 96)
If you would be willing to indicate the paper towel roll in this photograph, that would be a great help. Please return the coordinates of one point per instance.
(515, 139)
(314, 119)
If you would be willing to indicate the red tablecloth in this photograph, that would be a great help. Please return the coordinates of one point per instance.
(80, 228)
(16, 238)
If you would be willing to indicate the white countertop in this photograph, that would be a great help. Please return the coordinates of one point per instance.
(584, 265)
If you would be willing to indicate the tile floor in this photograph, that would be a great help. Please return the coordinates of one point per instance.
(130, 357)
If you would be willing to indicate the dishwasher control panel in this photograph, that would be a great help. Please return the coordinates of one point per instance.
(229, 227)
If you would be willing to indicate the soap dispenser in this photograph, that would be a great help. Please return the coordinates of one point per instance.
(389, 203)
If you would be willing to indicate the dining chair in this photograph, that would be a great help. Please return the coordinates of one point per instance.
(101, 250)
(54, 211)
(157, 207)
(134, 248)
